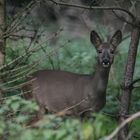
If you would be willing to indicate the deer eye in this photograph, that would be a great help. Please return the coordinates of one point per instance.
(99, 51)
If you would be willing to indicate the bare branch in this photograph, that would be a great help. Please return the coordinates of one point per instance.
(20, 94)
(17, 86)
(122, 19)
(68, 110)
(135, 81)
(19, 17)
(95, 7)
(116, 131)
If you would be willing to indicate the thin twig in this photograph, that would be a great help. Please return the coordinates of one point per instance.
(14, 70)
(94, 7)
(22, 93)
(125, 122)
(122, 19)
(19, 16)
(15, 80)
(26, 71)
(66, 110)
(18, 86)
(135, 81)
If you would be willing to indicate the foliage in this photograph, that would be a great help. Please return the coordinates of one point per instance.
(76, 56)
(15, 112)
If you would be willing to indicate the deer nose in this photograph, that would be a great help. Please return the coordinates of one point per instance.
(106, 61)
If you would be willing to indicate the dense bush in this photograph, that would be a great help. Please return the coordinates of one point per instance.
(76, 56)
(15, 112)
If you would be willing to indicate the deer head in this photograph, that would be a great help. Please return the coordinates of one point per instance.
(105, 50)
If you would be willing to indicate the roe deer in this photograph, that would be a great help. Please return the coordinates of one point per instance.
(78, 93)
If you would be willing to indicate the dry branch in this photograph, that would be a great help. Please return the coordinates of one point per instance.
(93, 7)
(134, 82)
(19, 18)
(116, 131)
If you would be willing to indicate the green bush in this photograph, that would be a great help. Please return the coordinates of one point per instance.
(15, 112)
(76, 56)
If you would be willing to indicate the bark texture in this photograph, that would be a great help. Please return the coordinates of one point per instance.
(128, 78)
(2, 40)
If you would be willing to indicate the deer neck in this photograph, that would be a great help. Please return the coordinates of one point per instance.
(100, 80)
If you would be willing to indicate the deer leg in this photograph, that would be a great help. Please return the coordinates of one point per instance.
(85, 114)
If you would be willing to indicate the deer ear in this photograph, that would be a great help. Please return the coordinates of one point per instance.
(95, 39)
(116, 38)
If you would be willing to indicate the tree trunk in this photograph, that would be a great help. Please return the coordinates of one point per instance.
(2, 39)
(128, 78)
